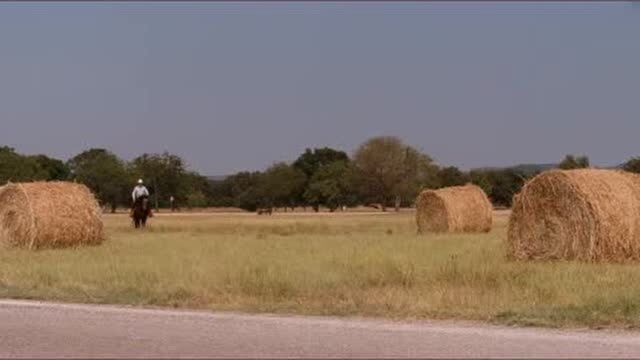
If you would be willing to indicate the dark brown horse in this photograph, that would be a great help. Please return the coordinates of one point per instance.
(141, 212)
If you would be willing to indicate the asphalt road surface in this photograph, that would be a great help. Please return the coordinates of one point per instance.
(33, 329)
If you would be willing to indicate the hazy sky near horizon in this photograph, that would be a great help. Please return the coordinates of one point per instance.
(239, 86)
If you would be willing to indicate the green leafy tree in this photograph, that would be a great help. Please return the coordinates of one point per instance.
(506, 183)
(104, 173)
(311, 160)
(632, 165)
(282, 185)
(452, 176)
(420, 172)
(196, 198)
(332, 186)
(391, 171)
(239, 190)
(574, 162)
(499, 184)
(482, 179)
(164, 174)
(55, 169)
(18, 168)
(198, 189)
(245, 190)
(221, 194)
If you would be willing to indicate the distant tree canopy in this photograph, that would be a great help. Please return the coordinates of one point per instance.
(245, 190)
(196, 189)
(383, 170)
(311, 160)
(452, 176)
(483, 180)
(103, 172)
(332, 186)
(318, 165)
(632, 165)
(505, 184)
(164, 174)
(222, 192)
(55, 169)
(15, 167)
(392, 171)
(500, 184)
(282, 185)
(574, 162)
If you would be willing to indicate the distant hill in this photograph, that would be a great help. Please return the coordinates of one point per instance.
(530, 169)
(526, 169)
(216, 178)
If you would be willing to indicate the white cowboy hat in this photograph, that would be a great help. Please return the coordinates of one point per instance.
(140, 181)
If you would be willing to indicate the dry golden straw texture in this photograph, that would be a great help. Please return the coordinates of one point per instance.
(49, 214)
(454, 209)
(587, 214)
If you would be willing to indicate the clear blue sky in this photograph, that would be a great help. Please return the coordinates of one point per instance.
(239, 86)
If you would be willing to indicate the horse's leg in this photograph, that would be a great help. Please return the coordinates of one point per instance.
(136, 221)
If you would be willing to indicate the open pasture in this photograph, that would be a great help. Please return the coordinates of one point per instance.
(329, 264)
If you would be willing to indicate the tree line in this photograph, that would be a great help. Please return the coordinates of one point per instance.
(111, 178)
(383, 172)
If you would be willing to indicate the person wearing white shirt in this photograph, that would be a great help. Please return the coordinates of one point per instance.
(139, 191)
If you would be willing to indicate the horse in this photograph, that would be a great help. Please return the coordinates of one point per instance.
(140, 212)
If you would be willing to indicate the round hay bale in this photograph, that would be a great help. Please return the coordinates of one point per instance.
(587, 215)
(49, 214)
(454, 209)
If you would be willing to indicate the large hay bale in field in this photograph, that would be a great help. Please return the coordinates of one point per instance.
(49, 214)
(587, 214)
(454, 209)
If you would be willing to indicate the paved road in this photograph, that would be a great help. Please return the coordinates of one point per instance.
(33, 329)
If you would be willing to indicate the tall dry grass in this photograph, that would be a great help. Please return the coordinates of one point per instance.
(370, 265)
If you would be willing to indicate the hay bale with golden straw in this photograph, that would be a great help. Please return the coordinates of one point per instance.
(454, 209)
(586, 214)
(48, 215)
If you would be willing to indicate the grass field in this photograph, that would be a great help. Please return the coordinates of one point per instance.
(359, 264)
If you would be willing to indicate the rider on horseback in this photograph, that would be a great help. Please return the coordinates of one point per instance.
(139, 193)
